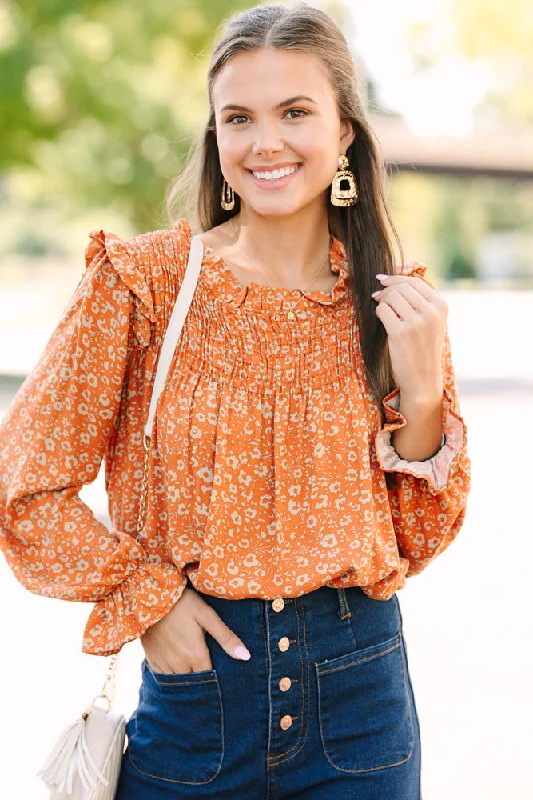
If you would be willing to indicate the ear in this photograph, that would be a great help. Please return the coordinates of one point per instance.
(347, 133)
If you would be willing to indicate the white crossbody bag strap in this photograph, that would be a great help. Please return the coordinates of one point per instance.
(177, 319)
(90, 750)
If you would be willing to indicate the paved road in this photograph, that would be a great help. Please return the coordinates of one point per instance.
(466, 618)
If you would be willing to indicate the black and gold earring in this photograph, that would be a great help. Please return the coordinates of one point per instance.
(228, 196)
(344, 187)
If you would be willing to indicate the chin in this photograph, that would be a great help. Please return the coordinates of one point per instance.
(276, 209)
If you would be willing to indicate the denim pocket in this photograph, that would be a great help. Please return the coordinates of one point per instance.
(365, 711)
(177, 731)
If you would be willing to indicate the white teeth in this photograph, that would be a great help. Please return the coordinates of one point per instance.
(272, 175)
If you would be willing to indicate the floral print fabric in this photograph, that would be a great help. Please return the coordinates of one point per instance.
(268, 458)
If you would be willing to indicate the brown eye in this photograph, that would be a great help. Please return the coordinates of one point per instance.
(237, 116)
(297, 111)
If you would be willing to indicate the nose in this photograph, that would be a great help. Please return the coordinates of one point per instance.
(267, 140)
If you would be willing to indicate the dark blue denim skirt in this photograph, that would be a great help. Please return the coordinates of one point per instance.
(324, 708)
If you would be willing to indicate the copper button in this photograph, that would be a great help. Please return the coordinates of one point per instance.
(285, 722)
(284, 684)
(283, 644)
(278, 604)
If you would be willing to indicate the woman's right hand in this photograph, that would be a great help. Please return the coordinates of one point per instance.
(176, 643)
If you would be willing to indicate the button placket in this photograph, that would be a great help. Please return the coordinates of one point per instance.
(285, 683)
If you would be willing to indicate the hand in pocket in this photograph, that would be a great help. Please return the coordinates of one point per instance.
(176, 643)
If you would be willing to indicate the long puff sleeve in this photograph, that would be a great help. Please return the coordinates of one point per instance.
(428, 498)
(53, 437)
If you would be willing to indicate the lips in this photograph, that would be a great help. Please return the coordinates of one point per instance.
(266, 183)
(273, 167)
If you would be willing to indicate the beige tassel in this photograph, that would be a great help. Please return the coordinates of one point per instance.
(70, 769)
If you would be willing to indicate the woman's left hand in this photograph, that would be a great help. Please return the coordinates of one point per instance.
(414, 316)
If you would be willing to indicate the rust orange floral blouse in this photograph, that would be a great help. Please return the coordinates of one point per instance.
(267, 474)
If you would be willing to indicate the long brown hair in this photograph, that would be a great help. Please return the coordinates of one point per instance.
(365, 229)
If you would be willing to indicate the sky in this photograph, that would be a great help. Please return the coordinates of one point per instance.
(438, 101)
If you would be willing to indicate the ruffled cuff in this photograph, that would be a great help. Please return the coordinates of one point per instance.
(436, 469)
(140, 601)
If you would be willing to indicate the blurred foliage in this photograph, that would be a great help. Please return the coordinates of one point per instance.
(444, 220)
(495, 35)
(95, 97)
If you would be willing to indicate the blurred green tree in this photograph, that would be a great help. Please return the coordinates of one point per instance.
(95, 96)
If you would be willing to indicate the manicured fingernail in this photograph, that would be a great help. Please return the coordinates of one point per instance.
(380, 276)
(241, 652)
(374, 294)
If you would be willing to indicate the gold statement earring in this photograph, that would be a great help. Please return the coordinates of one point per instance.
(343, 187)
(228, 196)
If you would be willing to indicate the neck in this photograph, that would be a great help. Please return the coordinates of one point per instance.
(294, 245)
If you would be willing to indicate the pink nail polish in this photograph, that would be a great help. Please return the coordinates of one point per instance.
(374, 294)
(380, 275)
(242, 653)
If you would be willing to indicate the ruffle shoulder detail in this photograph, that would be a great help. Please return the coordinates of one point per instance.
(414, 269)
(124, 257)
(182, 232)
(151, 265)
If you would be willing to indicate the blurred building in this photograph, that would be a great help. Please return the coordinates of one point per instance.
(501, 256)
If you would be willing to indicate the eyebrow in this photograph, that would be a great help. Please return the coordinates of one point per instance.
(289, 102)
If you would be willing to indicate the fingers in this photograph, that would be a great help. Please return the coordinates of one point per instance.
(389, 318)
(176, 644)
(398, 302)
(227, 639)
(407, 294)
(189, 654)
(419, 284)
(410, 298)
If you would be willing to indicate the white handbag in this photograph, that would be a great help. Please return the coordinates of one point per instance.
(85, 761)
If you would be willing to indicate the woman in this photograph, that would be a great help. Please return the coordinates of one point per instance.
(308, 453)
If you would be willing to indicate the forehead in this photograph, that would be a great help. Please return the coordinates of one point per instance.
(266, 76)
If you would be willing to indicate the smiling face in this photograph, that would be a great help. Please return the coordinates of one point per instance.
(277, 116)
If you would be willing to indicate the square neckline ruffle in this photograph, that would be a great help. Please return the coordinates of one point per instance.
(235, 293)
